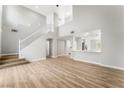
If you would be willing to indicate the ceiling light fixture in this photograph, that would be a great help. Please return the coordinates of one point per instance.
(29, 25)
(36, 6)
(57, 5)
(86, 34)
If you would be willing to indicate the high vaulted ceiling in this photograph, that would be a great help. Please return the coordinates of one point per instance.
(42, 9)
(63, 11)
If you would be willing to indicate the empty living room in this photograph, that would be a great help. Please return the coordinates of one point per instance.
(61, 46)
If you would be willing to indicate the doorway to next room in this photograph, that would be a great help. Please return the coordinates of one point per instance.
(48, 48)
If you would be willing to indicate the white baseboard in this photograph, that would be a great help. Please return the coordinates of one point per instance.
(35, 60)
(54, 56)
(86, 61)
(100, 64)
(62, 55)
(114, 67)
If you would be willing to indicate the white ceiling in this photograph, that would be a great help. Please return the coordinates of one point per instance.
(42, 9)
(62, 10)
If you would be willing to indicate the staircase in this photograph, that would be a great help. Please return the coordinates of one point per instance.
(11, 60)
(26, 49)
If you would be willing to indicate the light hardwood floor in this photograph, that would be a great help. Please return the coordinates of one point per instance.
(60, 72)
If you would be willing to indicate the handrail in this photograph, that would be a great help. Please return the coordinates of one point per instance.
(29, 39)
(21, 41)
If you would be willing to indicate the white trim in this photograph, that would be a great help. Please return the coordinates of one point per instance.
(114, 67)
(54, 56)
(86, 61)
(62, 55)
(100, 64)
(23, 40)
(35, 60)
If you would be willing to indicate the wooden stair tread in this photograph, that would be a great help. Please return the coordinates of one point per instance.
(13, 64)
(8, 57)
(11, 60)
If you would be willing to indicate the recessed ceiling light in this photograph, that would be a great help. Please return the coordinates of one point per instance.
(86, 34)
(29, 24)
(36, 6)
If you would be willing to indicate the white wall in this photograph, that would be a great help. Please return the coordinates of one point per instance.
(53, 34)
(22, 19)
(0, 26)
(110, 19)
(33, 48)
(61, 47)
(54, 48)
(35, 51)
(87, 56)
